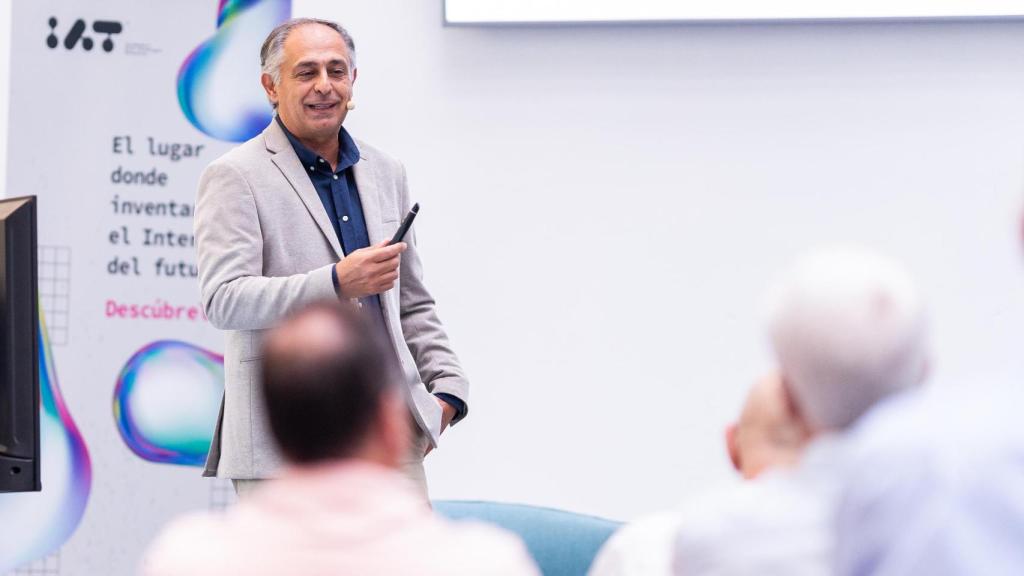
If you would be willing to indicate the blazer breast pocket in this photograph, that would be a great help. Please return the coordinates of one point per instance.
(390, 226)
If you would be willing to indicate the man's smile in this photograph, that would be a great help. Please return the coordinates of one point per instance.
(320, 106)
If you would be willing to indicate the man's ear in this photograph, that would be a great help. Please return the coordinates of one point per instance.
(1020, 223)
(732, 448)
(355, 74)
(795, 414)
(269, 87)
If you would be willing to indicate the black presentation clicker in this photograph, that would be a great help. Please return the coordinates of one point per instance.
(400, 233)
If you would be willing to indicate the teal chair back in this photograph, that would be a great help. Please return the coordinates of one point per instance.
(562, 543)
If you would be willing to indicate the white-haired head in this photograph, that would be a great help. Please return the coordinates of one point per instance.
(848, 329)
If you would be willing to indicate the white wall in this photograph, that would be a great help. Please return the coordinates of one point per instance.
(602, 207)
(5, 74)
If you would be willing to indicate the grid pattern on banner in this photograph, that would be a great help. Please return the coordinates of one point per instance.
(46, 566)
(222, 494)
(55, 290)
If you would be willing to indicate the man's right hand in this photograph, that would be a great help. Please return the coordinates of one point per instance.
(369, 270)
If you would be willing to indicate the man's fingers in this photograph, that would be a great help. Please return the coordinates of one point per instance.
(378, 269)
(380, 251)
(379, 254)
(386, 282)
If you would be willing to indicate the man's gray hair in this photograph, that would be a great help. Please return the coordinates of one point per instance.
(272, 52)
(849, 329)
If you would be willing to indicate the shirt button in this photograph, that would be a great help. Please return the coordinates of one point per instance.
(321, 160)
(344, 218)
(335, 176)
(311, 168)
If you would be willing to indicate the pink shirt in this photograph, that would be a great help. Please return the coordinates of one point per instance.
(341, 519)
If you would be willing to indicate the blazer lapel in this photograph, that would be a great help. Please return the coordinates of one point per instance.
(369, 197)
(373, 214)
(286, 160)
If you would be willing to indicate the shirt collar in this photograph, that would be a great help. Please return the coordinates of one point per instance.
(348, 152)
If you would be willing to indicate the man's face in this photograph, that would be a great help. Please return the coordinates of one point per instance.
(316, 83)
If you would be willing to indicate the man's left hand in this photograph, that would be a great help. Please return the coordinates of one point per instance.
(447, 414)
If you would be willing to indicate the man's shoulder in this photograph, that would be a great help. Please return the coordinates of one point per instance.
(644, 546)
(482, 548)
(729, 531)
(748, 507)
(374, 155)
(184, 545)
(243, 156)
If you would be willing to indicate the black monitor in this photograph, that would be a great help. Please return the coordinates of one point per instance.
(19, 347)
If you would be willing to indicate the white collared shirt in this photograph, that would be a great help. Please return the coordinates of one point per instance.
(643, 546)
(777, 524)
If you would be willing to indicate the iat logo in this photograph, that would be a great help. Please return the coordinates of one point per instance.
(77, 33)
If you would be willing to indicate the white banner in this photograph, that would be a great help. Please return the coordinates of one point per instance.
(116, 107)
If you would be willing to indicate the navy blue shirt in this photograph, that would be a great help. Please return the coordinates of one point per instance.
(340, 197)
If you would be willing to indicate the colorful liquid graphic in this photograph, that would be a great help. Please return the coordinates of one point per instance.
(218, 84)
(35, 524)
(166, 402)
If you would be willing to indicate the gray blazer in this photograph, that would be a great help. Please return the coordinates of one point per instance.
(265, 248)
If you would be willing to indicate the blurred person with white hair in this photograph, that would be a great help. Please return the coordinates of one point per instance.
(936, 483)
(765, 436)
(848, 329)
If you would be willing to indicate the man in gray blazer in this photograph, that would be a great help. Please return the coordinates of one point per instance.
(301, 213)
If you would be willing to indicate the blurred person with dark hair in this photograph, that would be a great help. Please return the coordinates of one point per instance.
(766, 436)
(335, 406)
(848, 330)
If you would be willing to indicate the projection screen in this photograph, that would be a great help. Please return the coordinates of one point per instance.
(596, 11)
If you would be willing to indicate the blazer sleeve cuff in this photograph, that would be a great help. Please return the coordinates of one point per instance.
(457, 403)
(322, 282)
(456, 388)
